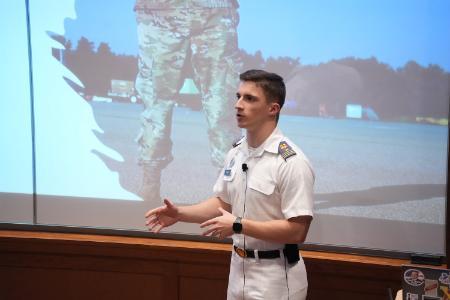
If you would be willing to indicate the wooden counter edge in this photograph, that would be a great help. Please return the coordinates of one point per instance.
(186, 245)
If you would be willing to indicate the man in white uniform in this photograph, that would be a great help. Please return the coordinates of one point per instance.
(263, 198)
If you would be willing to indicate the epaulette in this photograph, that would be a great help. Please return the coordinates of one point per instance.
(285, 150)
(238, 141)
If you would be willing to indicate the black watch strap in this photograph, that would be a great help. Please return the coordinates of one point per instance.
(237, 225)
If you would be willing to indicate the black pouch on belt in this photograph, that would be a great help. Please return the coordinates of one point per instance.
(291, 253)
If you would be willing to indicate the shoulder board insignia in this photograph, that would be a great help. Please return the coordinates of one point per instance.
(238, 141)
(285, 150)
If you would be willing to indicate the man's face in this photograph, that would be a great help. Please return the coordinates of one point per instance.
(252, 107)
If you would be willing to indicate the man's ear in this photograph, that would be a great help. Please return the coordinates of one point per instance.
(274, 108)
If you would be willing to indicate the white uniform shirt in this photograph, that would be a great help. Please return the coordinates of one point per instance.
(273, 188)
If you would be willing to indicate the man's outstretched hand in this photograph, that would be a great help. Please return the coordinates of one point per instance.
(161, 217)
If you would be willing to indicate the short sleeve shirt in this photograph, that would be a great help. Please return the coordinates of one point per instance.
(272, 188)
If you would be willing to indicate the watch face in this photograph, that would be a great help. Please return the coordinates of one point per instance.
(237, 226)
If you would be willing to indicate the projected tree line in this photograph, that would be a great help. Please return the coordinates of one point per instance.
(411, 93)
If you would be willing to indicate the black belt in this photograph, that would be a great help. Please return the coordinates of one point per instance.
(261, 254)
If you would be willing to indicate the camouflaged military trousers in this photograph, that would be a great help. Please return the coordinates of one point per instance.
(165, 37)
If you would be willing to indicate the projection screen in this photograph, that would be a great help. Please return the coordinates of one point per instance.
(367, 101)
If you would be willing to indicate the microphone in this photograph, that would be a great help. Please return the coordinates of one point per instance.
(244, 167)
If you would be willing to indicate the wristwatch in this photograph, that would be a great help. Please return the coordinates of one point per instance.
(237, 225)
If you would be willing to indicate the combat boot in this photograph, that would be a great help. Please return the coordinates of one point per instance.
(151, 184)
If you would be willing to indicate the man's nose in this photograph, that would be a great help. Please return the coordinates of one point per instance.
(238, 104)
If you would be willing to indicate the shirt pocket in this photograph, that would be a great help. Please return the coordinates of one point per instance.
(262, 185)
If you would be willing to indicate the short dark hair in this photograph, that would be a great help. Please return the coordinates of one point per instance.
(272, 84)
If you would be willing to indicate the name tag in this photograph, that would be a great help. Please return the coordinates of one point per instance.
(229, 171)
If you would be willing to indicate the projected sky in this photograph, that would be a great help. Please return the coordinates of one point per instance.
(314, 31)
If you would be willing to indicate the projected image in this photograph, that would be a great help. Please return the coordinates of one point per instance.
(142, 94)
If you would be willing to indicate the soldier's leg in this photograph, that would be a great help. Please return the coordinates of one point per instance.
(154, 146)
(216, 66)
(162, 51)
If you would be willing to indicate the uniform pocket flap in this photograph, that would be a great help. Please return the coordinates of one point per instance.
(262, 185)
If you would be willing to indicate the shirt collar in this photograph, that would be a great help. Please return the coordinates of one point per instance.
(270, 144)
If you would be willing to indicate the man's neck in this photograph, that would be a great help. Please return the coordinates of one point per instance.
(256, 137)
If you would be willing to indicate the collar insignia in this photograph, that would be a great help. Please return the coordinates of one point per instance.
(238, 141)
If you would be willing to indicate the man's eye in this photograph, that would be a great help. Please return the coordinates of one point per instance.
(249, 98)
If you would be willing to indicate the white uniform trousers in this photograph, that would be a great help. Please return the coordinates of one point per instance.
(270, 279)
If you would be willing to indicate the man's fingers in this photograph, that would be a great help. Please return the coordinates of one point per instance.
(154, 211)
(161, 209)
(208, 222)
(212, 231)
(153, 226)
(159, 228)
(152, 221)
(152, 229)
(153, 217)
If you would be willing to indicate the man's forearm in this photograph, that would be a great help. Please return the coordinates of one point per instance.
(279, 231)
(202, 211)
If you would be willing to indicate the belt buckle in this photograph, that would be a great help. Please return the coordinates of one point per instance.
(241, 252)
